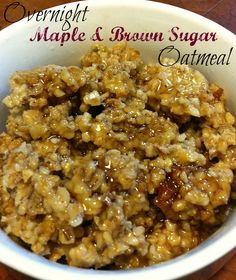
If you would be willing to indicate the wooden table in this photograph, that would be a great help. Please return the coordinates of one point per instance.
(221, 11)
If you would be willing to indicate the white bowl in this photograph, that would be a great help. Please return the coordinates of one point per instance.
(18, 53)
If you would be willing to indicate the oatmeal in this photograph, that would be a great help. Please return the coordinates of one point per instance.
(115, 164)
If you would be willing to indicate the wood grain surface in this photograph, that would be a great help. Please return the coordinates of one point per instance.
(221, 11)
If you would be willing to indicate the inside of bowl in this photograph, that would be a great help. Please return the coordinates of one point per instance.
(19, 53)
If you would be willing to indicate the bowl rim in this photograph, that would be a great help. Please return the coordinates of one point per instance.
(209, 251)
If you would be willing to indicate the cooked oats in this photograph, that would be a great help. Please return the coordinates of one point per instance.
(115, 164)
